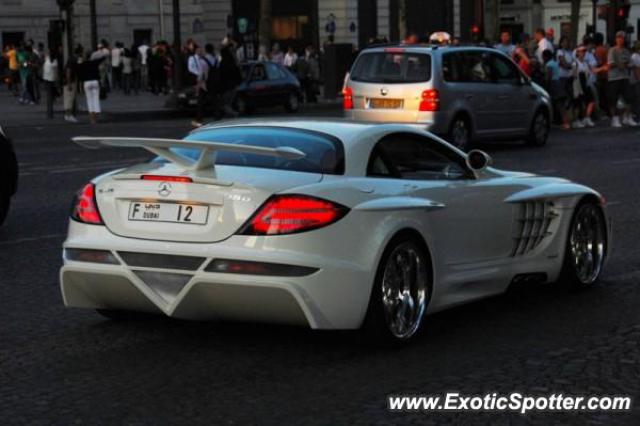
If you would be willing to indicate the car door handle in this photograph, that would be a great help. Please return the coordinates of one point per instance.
(504, 97)
(468, 97)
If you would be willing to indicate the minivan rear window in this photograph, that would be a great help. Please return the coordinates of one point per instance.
(392, 67)
(324, 153)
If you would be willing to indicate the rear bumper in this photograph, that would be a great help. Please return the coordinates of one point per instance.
(203, 297)
(334, 297)
(436, 122)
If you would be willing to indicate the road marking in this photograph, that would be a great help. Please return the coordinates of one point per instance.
(29, 239)
(627, 161)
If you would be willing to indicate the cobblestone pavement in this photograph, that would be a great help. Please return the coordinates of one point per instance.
(65, 366)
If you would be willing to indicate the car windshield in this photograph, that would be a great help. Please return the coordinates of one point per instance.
(392, 67)
(323, 153)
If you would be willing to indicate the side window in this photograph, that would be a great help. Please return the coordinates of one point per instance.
(451, 67)
(273, 72)
(503, 70)
(258, 73)
(415, 157)
(466, 67)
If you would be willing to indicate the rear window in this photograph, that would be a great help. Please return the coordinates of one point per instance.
(324, 153)
(392, 67)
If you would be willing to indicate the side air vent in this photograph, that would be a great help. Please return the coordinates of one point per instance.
(161, 261)
(532, 225)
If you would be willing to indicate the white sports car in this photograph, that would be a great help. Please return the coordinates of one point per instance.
(326, 224)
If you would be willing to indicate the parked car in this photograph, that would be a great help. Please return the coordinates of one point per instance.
(326, 224)
(265, 84)
(465, 94)
(8, 174)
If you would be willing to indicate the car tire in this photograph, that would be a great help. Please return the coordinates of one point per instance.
(540, 128)
(293, 103)
(394, 316)
(586, 246)
(5, 202)
(242, 106)
(460, 133)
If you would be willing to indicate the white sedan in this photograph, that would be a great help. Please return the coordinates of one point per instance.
(325, 224)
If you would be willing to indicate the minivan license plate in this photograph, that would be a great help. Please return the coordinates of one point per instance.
(385, 103)
(168, 212)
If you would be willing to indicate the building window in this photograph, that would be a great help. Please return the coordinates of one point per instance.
(288, 27)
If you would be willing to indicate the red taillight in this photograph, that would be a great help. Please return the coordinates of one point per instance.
(182, 179)
(288, 214)
(86, 209)
(347, 102)
(430, 100)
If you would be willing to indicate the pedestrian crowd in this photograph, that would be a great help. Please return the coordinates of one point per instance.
(586, 82)
(212, 75)
(215, 76)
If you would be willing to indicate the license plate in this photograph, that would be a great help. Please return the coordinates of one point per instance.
(385, 103)
(168, 212)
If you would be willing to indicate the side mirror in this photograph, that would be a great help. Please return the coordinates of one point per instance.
(478, 160)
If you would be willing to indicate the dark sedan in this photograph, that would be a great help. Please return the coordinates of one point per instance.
(264, 84)
(267, 84)
(8, 174)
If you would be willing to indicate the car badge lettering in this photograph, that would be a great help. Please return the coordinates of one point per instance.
(384, 91)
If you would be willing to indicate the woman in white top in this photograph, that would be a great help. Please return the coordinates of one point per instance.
(127, 71)
(583, 99)
(50, 77)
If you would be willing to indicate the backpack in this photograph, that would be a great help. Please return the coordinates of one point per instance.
(213, 79)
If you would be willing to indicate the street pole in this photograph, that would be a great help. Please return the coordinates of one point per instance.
(177, 47)
(161, 12)
(94, 24)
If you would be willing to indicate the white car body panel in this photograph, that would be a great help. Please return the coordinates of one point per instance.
(467, 225)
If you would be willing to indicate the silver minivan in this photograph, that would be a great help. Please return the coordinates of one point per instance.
(465, 94)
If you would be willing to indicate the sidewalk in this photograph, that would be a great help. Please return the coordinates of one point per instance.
(116, 108)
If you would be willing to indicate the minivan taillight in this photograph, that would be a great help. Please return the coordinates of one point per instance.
(430, 100)
(347, 102)
(85, 208)
(288, 214)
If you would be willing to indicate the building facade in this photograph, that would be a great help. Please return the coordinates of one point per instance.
(524, 16)
(293, 22)
(298, 23)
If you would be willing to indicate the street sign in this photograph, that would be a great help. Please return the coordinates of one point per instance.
(243, 24)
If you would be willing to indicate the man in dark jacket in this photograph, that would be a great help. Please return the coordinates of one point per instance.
(230, 78)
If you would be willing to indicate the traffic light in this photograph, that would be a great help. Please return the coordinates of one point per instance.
(623, 11)
(621, 15)
(475, 32)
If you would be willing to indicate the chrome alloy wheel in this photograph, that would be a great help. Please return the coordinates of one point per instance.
(404, 290)
(587, 243)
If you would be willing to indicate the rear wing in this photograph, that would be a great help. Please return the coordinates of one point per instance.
(206, 159)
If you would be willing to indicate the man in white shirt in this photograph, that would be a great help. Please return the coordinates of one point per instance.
(199, 70)
(543, 44)
(290, 58)
(116, 65)
(143, 49)
(505, 45)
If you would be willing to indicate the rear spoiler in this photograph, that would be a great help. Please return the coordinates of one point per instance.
(206, 159)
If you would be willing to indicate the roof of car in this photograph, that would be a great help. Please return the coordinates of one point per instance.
(425, 48)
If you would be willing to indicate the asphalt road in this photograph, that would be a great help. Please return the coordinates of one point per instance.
(67, 366)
